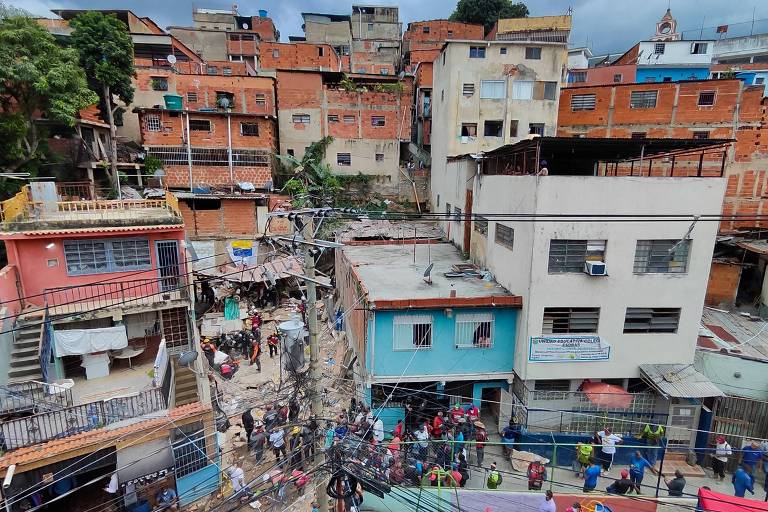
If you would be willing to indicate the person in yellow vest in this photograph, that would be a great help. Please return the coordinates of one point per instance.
(584, 452)
(652, 433)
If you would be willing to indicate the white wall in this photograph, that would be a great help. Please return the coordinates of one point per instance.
(741, 46)
(523, 270)
(577, 59)
(676, 53)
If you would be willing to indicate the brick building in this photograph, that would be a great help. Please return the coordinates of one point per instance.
(714, 109)
(300, 55)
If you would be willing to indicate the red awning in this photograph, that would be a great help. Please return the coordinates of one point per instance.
(605, 395)
(710, 501)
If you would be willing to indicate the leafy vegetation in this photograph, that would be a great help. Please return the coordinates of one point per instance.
(312, 184)
(488, 12)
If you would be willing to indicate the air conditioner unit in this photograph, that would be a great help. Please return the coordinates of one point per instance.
(595, 268)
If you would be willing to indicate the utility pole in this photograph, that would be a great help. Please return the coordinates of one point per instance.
(314, 344)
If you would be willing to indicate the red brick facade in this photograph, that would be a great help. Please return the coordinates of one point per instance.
(309, 56)
(738, 113)
(235, 217)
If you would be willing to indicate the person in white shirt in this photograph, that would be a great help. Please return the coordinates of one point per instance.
(609, 441)
(722, 452)
(237, 476)
(422, 436)
(378, 430)
(277, 440)
(548, 505)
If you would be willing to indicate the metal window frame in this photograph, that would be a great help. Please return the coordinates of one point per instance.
(261, 99)
(480, 225)
(244, 124)
(642, 99)
(572, 317)
(532, 54)
(193, 121)
(508, 242)
(714, 98)
(568, 256)
(493, 85)
(333, 118)
(378, 121)
(412, 320)
(109, 255)
(642, 320)
(659, 46)
(581, 102)
(349, 119)
(479, 52)
(476, 319)
(154, 123)
(349, 160)
(653, 257)
(301, 118)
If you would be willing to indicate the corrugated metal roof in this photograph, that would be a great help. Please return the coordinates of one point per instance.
(741, 335)
(279, 267)
(679, 381)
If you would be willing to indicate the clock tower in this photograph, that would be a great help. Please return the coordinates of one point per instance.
(666, 28)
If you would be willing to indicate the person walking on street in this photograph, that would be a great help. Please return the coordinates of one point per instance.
(609, 441)
(248, 423)
(273, 341)
(481, 437)
(743, 481)
(548, 505)
(676, 485)
(590, 476)
(637, 465)
(720, 459)
(494, 477)
(751, 455)
(257, 441)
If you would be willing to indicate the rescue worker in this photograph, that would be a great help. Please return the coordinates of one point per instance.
(273, 341)
(256, 352)
(652, 433)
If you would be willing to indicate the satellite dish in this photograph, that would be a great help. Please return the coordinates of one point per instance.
(427, 274)
(187, 358)
(171, 59)
(245, 26)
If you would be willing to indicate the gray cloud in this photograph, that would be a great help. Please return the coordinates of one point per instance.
(605, 25)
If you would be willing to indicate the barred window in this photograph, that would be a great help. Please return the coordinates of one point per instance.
(651, 320)
(379, 157)
(261, 99)
(301, 118)
(249, 129)
(189, 451)
(153, 123)
(378, 121)
(643, 99)
(192, 97)
(130, 254)
(662, 256)
(94, 257)
(199, 125)
(457, 214)
(480, 225)
(474, 330)
(706, 98)
(533, 52)
(349, 119)
(570, 320)
(504, 235)
(343, 158)
(582, 102)
(333, 118)
(412, 332)
(216, 157)
(570, 255)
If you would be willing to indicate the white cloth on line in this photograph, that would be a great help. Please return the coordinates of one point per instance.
(76, 342)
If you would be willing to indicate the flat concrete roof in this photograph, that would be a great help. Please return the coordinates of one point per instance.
(388, 273)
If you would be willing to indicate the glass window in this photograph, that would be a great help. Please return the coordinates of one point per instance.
(333, 118)
(522, 89)
(643, 99)
(658, 48)
(378, 121)
(456, 214)
(412, 332)
(211, 70)
(94, 257)
(617, 78)
(493, 89)
(153, 123)
(706, 98)
(570, 255)
(301, 118)
(344, 159)
(159, 83)
(533, 52)
(503, 50)
(582, 102)
(226, 70)
(261, 99)
(493, 129)
(698, 48)
(650, 320)
(249, 129)
(474, 330)
(570, 320)
(130, 254)
(578, 77)
(199, 125)
(662, 256)
(504, 235)
(550, 90)
(477, 52)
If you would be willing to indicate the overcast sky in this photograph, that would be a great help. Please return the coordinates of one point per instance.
(603, 25)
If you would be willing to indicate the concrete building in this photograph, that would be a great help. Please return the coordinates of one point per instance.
(376, 39)
(715, 109)
(453, 333)
(332, 29)
(490, 93)
(639, 312)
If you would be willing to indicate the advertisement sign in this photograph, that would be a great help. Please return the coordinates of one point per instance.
(243, 252)
(563, 349)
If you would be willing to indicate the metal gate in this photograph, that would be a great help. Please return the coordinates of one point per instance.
(168, 264)
(739, 420)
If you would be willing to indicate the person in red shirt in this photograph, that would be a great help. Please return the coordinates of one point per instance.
(437, 426)
(481, 437)
(398, 432)
(456, 413)
(473, 413)
(273, 341)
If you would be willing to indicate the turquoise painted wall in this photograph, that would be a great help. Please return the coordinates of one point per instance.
(198, 484)
(443, 358)
(676, 74)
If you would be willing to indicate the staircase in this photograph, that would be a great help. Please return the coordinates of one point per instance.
(25, 358)
(185, 382)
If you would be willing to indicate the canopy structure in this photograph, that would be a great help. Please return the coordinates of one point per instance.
(710, 501)
(609, 396)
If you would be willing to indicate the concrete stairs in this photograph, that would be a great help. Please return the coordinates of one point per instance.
(25, 357)
(185, 382)
(677, 460)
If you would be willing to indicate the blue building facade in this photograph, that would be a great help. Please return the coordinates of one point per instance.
(671, 74)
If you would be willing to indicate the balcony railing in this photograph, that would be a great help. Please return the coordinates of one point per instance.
(138, 292)
(57, 424)
(33, 395)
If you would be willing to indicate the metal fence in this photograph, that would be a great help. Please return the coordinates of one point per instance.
(72, 420)
(33, 395)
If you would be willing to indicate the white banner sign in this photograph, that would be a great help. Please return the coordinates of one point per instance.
(559, 349)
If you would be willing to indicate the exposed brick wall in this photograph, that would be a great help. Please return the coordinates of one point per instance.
(177, 176)
(739, 112)
(424, 75)
(298, 56)
(723, 284)
(371, 64)
(414, 37)
(235, 217)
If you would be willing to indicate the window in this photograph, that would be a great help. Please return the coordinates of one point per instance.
(643, 99)
(533, 52)
(477, 52)
(450, 33)
(578, 77)
(480, 225)
(706, 98)
(513, 127)
(425, 30)
(249, 129)
(474, 330)
(503, 50)
(290, 152)
(320, 51)
(468, 89)
(225, 99)
(192, 97)
(378, 121)
(275, 53)
(189, 451)
(300, 118)
(448, 211)
(650, 79)
(379, 157)
(661, 256)
(759, 80)
(211, 70)
(536, 129)
(159, 83)
(617, 78)
(493, 129)
(199, 125)
(570, 255)
(550, 90)
(522, 90)
(648, 320)
(493, 89)
(261, 99)
(701, 135)
(698, 48)
(469, 129)
(638, 135)
(226, 70)
(658, 48)
(333, 118)
(412, 332)
(234, 37)
(582, 102)
(153, 123)
(370, 26)
(557, 385)
(570, 320)
(96, 256)
(504, 235)
(456, 214)
(343, 158)
(349, 119)
(248, 37)
(236, 58)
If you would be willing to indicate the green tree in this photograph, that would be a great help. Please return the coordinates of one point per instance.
(487, 12)
(312, 183)
(106, 53)
(37, 78)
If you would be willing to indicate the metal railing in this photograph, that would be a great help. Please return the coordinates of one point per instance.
(32, 395)
(73, 299)
(73, 420)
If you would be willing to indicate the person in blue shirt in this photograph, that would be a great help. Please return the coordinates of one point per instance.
(590, 476)
(751, 455)
(637, 465)
(743, 481)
